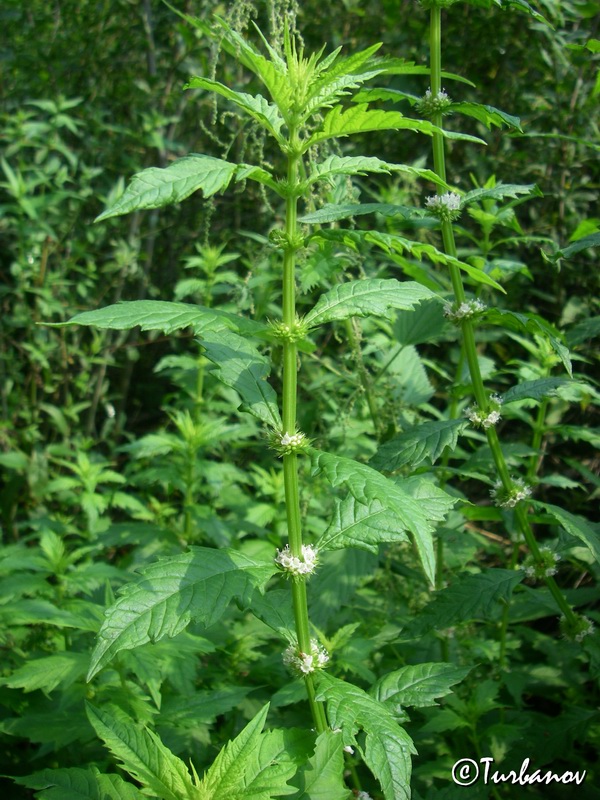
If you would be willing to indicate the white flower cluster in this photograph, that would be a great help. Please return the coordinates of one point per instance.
(509, 499)
(363, 796)
(431, 104)
(545, 567)
(295, 565)
(578, 630)
(444, 206)
(485, 419)
(286, 443)
(466, 310)
(305, 663)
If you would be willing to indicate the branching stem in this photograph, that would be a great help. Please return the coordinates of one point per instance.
(467, 327)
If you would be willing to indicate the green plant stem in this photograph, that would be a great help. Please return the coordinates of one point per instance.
(467, 327)
(290, 461)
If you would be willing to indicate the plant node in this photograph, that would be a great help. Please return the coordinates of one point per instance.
(305, 663)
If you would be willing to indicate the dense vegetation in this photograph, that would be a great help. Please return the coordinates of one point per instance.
(361, 346)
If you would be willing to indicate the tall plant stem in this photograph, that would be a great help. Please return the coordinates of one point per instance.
(467, 327)
(290, 461)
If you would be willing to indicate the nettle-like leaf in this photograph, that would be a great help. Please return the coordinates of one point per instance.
(369, 297)
(469, 597)
(533, 324)
(256, 765)
(393, 243)
(428, 440)
(500, 191)
(416, 503)
(575, 526)
(256, 106)
(156, 187)
(322, 777)
(592, 240)
(239, 364)
(417, 685)
(61, 669)
(169, 594)
(363, 165)
(360, 118)
(534, 390)
(161, 315)
(387, 746)
(333, 212)
(143, 755)
(361, 525)
(488, 115)
(75, 783)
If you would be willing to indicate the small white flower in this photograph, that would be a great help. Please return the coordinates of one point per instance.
(465, 310)
(304, 565)
(305, 663)
(444, 206)
(363, 796)
(509, 498)
(348, 749)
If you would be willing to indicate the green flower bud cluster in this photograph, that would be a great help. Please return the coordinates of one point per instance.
(287, 443)
(509, 498)
(282, 241)
(431, 104)
(576, 631)
(289, 333)
(544, 567)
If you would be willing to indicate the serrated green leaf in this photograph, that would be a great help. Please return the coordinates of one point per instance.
(203, 707)
(156, 187)
(360, 118)
(169, 594)
(256, 106)
(333, 212)
(143, 755)
(469, 597)
(393, 243)
(417, 685)
(427, 440)
(49, 672)
(260, 175)
(74, 783)
(160, 315)
(500, 191)
(79, 614)
(254, 765)
(239, 364)
(585, 329)
(575, 526)
(322, 779)
(340, 74)
(369, 297)
(416, 503)
(533, 324)
(488, 115)
(361, 525)
(339, 576)
(534, 390)
(387, 746)
(593, 240)
(363, 165)
(274, 608)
